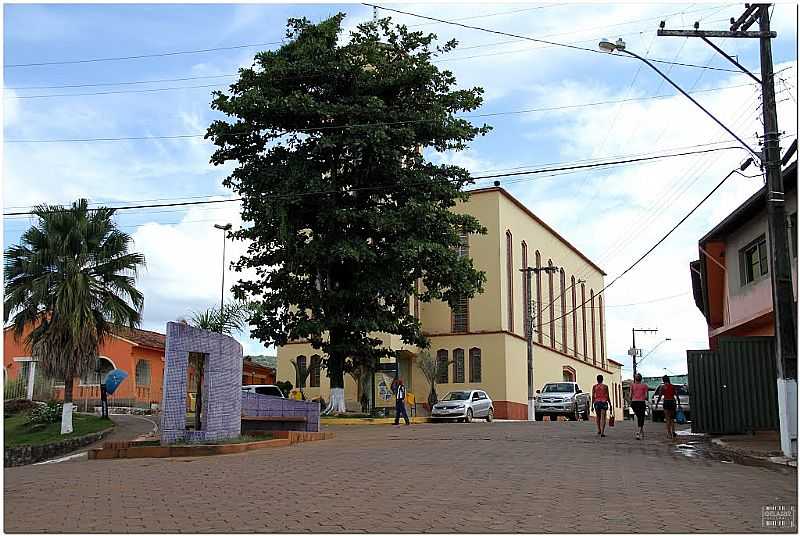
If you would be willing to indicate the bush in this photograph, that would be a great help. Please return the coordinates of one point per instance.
(18, 405)
(45, 414)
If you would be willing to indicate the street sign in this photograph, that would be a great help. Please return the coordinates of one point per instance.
(635, 352)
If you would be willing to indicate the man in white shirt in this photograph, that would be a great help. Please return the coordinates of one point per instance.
(400, 403)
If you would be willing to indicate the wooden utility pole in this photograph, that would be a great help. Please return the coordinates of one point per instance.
(780, 267)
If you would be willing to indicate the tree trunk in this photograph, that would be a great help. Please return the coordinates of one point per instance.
(66, 415)
(198, 399)
(336, 376)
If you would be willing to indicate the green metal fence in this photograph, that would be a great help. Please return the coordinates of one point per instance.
(734, 388)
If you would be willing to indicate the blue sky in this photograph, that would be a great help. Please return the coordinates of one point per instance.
(613, 215)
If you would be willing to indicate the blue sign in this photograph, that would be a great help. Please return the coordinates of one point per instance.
(113, 380)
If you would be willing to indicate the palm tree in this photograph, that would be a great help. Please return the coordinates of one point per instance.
(71, 279)
(429, 366)
(226, 319)
(231, 317)
(302, 374)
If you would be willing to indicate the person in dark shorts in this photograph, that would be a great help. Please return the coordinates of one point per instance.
(600, 403)
(671, 400)
(638, 401)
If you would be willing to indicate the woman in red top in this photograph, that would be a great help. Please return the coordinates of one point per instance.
(638, 401)
(600, 403)
(670, 399)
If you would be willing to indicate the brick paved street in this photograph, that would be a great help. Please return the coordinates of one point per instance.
(498, 477)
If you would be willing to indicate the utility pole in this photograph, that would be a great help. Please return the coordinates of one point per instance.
(633, 351)
(530, 322)
(780, 267)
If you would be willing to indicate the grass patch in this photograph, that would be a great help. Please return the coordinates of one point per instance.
(348, 416)
(16, 432)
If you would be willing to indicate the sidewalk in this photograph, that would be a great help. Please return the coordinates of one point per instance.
(762, 445)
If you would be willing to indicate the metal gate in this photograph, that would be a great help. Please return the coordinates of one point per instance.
(733, 389)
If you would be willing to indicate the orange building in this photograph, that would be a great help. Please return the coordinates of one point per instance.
(138, 352)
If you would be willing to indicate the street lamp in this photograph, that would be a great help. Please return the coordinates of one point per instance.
(607, 46)
(224, 229)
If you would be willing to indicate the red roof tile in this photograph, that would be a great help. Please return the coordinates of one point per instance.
(141, 337)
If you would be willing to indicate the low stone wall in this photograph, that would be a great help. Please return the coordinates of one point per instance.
(255, 405)
(28, 454)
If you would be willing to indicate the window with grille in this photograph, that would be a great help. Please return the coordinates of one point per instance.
(316, 363)
(526, 320)
(142, 372)
(460, 316)
(475, 365)
(754, 260)
(458, 365)
(441, 369)
(301, 369)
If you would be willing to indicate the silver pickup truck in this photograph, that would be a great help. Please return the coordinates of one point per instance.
(562, 398)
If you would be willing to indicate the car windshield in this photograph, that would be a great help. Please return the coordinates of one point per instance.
(457, 395)
(680, 390)
(558, 388)
(272, 391)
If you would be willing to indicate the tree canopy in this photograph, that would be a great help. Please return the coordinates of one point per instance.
(343, 213)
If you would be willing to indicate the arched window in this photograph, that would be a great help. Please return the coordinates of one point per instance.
(441, 371)
(301, 368)
(551, 304)
(458, 365)
(583, 316)
(568, 374)
(510, 278)
(539, 297)
(475, 365)
(574, 319)
(602, 330)
(143, 372)
(105, 366)
(526, 320)
(594, 338)
(316, 365)
(563, 282)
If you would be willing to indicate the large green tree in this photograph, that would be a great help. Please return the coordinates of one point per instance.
(344, 212)
(71, 279)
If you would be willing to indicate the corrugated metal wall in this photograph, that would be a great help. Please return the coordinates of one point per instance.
(734, 389)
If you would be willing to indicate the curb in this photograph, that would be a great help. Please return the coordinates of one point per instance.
(333, 421)
(771, 457)
(32, 454)
(129, 449)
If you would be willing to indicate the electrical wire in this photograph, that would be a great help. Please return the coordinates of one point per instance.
(367, 188)
(544, 41)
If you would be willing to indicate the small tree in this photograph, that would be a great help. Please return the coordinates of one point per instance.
(429, 366)
(302, 374)
(229, 318)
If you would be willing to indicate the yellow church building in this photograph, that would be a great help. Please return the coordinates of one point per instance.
(484, 339)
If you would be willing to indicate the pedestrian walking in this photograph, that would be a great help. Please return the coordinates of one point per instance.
(400, 403)
(638, 401)
(671, 399)
(600, 403)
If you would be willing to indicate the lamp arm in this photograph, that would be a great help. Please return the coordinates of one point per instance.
(685, 94)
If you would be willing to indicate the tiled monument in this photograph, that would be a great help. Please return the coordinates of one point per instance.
(221, 392)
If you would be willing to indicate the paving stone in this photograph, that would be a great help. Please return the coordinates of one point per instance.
(438, 478)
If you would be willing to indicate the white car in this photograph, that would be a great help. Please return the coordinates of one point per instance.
(269, 390)
(463, 406)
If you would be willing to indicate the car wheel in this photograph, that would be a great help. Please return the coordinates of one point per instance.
(574, 415)
(490, 415)
(586, 412)
(468, 418)
(539, 417)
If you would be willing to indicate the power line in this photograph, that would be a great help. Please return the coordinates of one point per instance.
(646, 253)
(544, 41)
(140, 56)
(326, 127)
(301, 194)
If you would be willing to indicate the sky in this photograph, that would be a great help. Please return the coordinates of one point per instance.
(612, 214)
